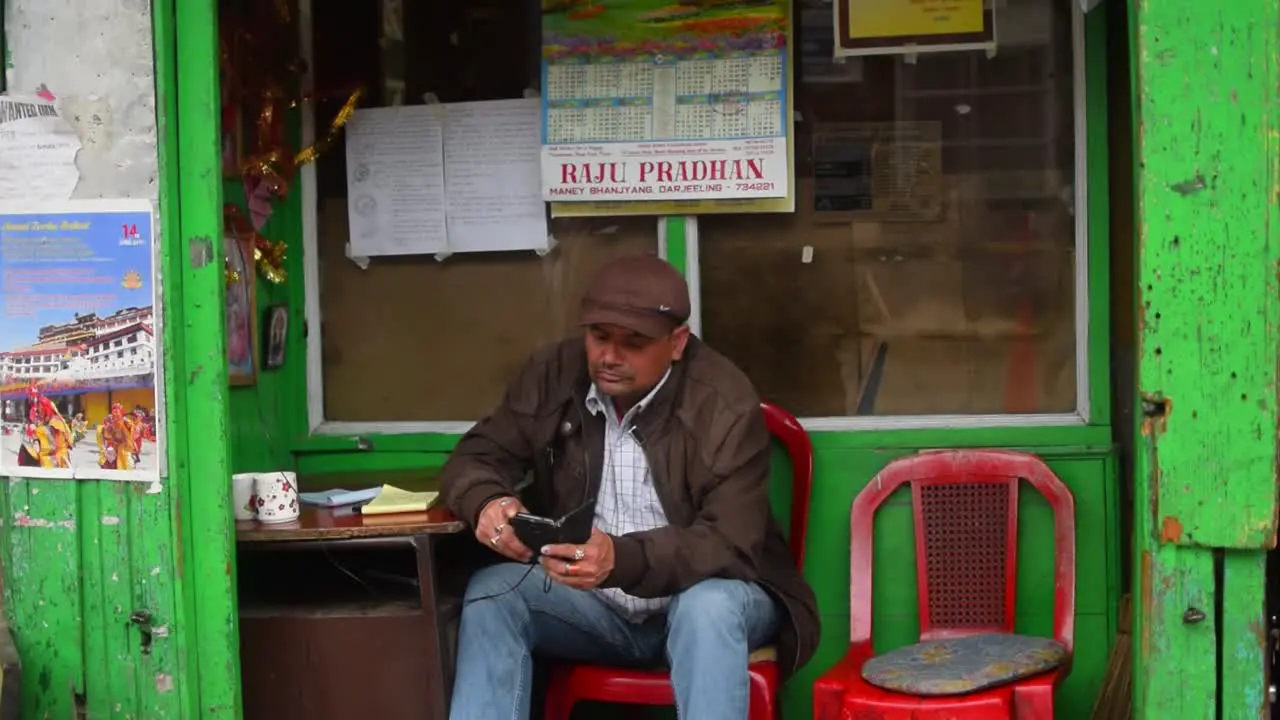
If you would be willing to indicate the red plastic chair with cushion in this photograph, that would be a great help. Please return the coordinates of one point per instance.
(969, 664)
(571, 683)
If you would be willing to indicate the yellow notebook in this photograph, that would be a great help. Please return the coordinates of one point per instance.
(392, 499)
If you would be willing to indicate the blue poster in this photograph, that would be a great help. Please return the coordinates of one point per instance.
(80, 353)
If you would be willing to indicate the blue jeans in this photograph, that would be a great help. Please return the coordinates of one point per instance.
(705, 636)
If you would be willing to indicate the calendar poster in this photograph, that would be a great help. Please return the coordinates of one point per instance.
(645, 100)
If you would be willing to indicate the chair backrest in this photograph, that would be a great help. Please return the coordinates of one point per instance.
(787, 429)
(966, 531)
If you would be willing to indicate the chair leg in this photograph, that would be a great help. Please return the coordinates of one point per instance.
(558, 705)
(761, 695)
(1033, 701)
(828, 701)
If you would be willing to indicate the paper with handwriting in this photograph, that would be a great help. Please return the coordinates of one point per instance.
(493, 176)
(395, 181)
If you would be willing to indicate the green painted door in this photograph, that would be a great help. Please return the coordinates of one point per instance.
(1206, 122)
(81, 559)
(111, 587)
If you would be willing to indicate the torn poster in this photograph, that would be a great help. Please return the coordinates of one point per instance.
(37, 150)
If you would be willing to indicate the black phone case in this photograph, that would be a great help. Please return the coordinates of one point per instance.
(573, 529)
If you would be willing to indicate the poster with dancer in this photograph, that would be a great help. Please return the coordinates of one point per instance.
(80, 355)
(644, 100)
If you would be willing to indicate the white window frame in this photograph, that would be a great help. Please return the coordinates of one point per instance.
(319, 425)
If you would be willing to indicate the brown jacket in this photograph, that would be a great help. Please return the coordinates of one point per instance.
(707, 445)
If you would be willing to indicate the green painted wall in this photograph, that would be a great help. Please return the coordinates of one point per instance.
(267, 417)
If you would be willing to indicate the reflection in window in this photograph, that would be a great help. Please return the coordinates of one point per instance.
(930, 266)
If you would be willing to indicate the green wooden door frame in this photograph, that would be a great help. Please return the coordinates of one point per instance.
(1206, 124)
(195, 354)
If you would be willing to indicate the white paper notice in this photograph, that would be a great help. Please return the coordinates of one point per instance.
(493, 176)
(37, 150)
(395, 181)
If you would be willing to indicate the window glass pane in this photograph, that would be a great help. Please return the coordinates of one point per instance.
(415, 339)
(411, 338)
(930, 265)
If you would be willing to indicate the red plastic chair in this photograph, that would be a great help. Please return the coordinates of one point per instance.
(966, 538)
(571, 683)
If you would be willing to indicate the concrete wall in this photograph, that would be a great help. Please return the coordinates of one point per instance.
(96, 57)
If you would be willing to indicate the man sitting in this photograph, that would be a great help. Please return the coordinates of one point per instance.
(685, 565)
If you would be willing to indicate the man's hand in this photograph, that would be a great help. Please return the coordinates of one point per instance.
(580, 566)
(494, 532)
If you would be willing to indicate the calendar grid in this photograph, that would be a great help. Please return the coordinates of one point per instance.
(644, 100)
(738, 95)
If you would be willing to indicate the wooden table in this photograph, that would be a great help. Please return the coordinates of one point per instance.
(328, 525)
(362, 652)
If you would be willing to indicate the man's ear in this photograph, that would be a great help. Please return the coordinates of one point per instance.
(679, 339)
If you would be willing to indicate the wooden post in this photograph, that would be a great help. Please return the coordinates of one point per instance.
(1205, 122)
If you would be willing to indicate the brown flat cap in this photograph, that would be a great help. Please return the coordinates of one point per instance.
(642, 293)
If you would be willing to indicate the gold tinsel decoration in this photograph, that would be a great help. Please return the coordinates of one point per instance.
(273, 163)
(268, 255)
(262, 72)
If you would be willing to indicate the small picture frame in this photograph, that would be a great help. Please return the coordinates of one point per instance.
(275, 337)
(241, 303)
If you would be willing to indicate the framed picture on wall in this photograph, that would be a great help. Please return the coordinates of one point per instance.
(276, 326)
(241, 310)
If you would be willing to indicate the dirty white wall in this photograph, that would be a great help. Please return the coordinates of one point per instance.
(96, 57)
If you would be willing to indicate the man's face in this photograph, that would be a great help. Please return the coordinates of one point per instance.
(625, 363)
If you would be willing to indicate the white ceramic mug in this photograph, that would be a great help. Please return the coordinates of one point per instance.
(277, 496)
(243, 497)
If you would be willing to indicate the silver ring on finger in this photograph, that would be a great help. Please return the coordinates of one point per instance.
(579, 553)
(494, 540)
(497, 529)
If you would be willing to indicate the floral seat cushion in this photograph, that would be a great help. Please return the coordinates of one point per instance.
(963, 665)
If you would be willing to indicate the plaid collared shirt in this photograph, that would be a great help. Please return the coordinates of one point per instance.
(627, 501)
